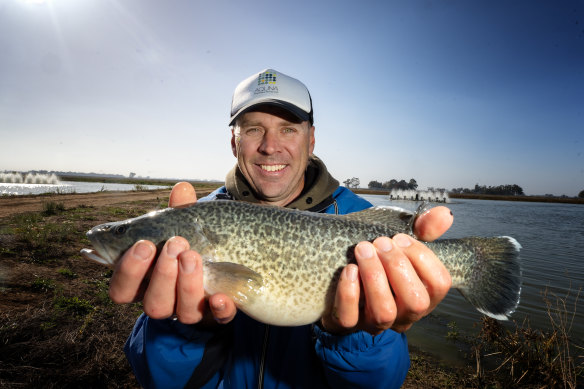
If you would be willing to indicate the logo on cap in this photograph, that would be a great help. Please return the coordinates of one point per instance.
(267, 78)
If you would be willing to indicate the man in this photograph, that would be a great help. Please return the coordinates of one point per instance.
(186, 339)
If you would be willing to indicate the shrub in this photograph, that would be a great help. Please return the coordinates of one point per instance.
(52, 208)
(74, 305)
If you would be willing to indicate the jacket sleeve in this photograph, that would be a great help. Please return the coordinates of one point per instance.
(361, 360)
(165, 353)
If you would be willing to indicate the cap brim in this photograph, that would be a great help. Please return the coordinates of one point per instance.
(294, 110)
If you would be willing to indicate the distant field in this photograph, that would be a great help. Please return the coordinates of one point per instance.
(539, 199)
(141, 181)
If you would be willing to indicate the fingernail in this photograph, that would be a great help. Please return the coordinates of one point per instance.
(187, 264)
(142, 250)
(364, 250)
(383, 244)
(351, 273)
(220, 306)
(175, 247)
(402, 240)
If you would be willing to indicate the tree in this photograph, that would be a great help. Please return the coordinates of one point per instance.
(132, 175)
(412, 184)
(352, 182)
(508, 190)
(374, 184)
(581, 194)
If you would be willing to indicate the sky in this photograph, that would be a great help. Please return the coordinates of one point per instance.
(451, 93)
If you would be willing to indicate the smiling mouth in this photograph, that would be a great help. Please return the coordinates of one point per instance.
(272, 168)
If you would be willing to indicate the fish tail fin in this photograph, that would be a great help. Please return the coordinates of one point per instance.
(493, 282)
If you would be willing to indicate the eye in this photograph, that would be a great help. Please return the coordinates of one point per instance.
(254, 131)
(120, 230)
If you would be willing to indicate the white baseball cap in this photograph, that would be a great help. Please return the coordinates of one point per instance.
(270, 87)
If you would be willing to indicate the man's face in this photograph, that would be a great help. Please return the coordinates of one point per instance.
(272, 153)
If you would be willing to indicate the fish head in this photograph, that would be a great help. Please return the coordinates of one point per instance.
(111, 240)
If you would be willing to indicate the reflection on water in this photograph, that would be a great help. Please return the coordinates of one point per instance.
(66, 187)
(552, 236)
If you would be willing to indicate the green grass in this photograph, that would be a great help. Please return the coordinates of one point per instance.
(74, 305)
(43, 285)
(52, 208)
(67, 273)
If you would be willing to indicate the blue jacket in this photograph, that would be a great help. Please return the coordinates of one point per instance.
(165, 353)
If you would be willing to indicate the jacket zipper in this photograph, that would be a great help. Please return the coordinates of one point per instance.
(263, 360)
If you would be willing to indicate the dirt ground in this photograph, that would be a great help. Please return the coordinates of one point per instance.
(20, 204)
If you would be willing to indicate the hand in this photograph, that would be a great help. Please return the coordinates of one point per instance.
(173, 284)
(402, 281)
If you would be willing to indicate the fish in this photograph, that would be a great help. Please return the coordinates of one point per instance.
(281, 266)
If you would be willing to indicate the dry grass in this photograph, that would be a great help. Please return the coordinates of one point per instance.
(528, 357)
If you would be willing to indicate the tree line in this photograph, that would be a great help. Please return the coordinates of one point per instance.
(504, 190)
(394, 184)
(507, 190)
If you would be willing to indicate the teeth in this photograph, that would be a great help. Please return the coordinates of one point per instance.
(273, 168)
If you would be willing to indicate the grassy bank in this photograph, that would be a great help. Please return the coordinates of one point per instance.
(534, 199)
(58, 328)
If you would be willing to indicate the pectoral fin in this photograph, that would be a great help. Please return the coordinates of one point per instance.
(239, 282)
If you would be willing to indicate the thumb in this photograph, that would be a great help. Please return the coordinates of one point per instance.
(431, 225)
(182, 194)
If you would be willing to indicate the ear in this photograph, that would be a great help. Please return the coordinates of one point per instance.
(233, 144)
(312, 140)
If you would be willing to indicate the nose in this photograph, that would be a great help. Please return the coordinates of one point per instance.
(269, 144)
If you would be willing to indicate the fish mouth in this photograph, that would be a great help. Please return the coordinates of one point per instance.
(100, 255)
(94, 256)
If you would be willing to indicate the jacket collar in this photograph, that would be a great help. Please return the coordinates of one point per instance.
(319, 186)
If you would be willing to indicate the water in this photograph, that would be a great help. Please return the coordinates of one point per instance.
(552, 236)
(67, 187)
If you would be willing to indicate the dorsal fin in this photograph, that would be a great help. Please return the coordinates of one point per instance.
(396, 218)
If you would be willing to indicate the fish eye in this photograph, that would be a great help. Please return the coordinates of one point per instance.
(119, 230)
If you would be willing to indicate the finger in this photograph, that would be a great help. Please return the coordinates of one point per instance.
(125, 285)
(222, 307)
(380, 308)
(182, 194)
(160, 297)
(190, 295)
(411, 297)
(345, 311)
(430, 270)
(433, 223)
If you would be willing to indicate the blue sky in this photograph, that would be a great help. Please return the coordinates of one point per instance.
(451, 93)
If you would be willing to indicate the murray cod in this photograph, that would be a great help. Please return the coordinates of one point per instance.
(281, 266)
